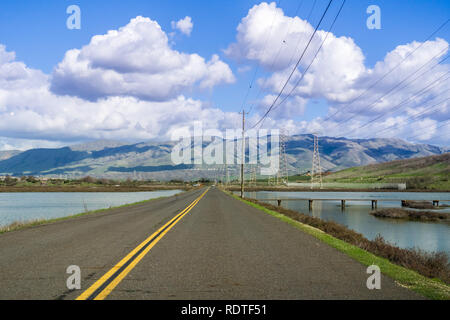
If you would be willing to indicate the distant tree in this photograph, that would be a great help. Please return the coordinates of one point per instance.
(10, 181)
(31, 179)
(129, 182)
(104, 181)
(88, 179)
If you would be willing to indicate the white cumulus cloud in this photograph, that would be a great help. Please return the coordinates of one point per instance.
(137, 61)
(125, 85)
(184, 25)
(275, 41)
(131, 84)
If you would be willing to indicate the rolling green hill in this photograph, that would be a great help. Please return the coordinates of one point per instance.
(432, 172)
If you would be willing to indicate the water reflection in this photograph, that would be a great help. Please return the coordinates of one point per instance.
(429, 236)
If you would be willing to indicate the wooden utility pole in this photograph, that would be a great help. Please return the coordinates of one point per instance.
(243, 153)
(227, 176)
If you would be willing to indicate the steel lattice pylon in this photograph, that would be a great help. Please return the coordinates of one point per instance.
(316, 171)
(253, 176)
(283, 175)
(270, 180)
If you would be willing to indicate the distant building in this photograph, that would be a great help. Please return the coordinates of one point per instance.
(402, 186)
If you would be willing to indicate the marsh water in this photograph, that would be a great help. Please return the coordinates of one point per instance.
(428, 236)
(27, 206)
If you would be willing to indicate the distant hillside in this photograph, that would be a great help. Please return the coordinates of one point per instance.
(8, 154)
(111, 159)
(342, 153)
(431, 172)
(97, 145)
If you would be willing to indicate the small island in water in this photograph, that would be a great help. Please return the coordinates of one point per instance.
(398, 213)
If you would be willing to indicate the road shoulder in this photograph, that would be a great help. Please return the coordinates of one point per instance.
(429, 288)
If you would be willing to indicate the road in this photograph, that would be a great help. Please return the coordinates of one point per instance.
(195, 245)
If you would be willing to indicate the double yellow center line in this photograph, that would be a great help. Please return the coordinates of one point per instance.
(103, 287)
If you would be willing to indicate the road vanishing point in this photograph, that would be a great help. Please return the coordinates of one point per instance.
(201, 244)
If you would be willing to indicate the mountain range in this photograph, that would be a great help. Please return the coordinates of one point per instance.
(118, 160)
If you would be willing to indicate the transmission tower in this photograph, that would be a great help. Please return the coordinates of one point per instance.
(316, 172)
(253, 176)
(282, 174)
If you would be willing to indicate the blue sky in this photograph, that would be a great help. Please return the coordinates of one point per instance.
(36, 31)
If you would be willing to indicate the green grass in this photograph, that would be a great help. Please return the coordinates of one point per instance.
(18, 225)
(429, 173)
(430, 288)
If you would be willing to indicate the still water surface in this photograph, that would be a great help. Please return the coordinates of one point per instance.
(429, 236)
(26, 206)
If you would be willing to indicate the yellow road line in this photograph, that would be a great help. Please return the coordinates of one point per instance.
(113, 277)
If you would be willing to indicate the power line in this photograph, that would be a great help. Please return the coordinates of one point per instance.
(281, 47)
(296, 65)
(397, 85)
(415, 116)
(390, 71)
(314, 58)
(257, 67)
(300, 38)
(396, 107)
(421, 92)
(444, 123)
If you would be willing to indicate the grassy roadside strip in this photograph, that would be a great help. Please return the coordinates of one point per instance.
(33, 223)
(430, 288)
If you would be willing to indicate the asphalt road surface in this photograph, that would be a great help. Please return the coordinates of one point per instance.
(195, 245)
